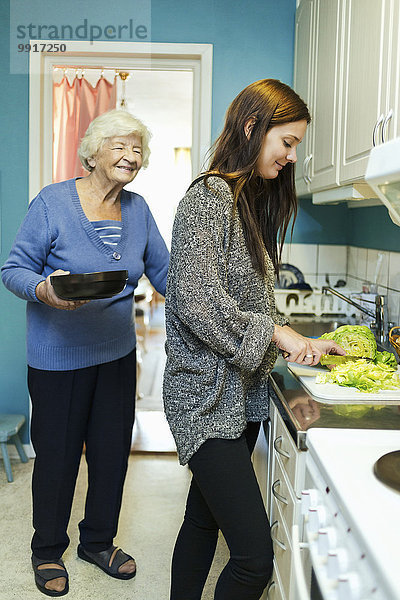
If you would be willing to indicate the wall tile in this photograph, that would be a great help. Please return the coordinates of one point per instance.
(362, 264)
(394, 271)
(331, 259)
(353, 283)
(393, 299)
(372, 261)
(352, 260)
(285, 252)
(393, 293)
(313, 281)
(304, 257)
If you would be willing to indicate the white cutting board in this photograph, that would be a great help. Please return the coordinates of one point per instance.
(332, 393)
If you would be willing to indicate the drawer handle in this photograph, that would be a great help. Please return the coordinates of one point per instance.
(276, 494)
(277, 446)
(274, 539)
(270, 587)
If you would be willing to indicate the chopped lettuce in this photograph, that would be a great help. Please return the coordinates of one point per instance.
(357, 340)
(366, 376)
(386, 358)
(362, 374)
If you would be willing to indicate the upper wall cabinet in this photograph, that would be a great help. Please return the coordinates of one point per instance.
(368, 107)
(322, 167)
(304, 36)
(352, 78)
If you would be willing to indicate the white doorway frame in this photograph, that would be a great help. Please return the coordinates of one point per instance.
(114, 55)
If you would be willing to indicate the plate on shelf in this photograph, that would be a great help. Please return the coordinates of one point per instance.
(290, 277)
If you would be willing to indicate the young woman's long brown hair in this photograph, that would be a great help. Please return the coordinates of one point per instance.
(265, 205)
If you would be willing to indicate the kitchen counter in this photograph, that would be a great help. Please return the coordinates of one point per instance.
(300, 411)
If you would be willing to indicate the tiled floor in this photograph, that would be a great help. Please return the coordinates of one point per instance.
(152, 511)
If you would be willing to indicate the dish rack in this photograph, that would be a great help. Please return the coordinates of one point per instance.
(313, 302)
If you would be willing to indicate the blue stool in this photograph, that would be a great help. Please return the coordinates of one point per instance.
(9, 427)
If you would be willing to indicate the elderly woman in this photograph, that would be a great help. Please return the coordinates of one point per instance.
(81, 354)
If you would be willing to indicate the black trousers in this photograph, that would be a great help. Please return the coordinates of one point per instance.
(95, 406)
(224, 494)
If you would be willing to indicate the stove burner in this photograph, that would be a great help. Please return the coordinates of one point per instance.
(387, 469)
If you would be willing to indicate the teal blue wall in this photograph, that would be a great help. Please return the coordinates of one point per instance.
(13, 203)
(321, 224)
(368, 227)
(373, 228)
(252, 40)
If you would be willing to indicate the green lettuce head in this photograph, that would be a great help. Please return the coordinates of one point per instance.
(357, 340)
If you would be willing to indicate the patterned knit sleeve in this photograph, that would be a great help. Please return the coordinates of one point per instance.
(197, 291)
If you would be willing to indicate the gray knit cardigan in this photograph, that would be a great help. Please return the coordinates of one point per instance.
(220, 315)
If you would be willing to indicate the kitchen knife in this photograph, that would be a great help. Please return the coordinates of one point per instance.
(337, 359)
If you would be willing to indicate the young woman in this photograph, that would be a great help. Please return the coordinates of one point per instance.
(224, 333)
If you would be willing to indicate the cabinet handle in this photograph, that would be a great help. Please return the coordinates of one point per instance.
(278, 496)
(385, 125)
(270, 587)
(301, 587)
(379, 122)
(278, 449)
(304, 170)
(305, 167)
(274, 539)
(308, 168)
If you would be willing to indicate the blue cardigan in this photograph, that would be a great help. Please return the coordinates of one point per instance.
(56, 234)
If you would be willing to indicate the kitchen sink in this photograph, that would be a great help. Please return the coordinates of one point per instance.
(315, 327)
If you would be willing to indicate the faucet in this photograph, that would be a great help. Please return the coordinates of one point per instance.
(379, 325)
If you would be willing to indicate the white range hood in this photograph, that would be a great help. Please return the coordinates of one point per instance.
(383, 175)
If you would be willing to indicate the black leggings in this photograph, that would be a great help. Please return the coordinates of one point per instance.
(224, 494)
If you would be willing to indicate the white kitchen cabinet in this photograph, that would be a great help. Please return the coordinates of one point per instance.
(366, 82)
(287, 480)
(324, 140)
(347, 68)
(274, 590)
(304, 40)
(393, 126)
(316, 80)
(261, 462)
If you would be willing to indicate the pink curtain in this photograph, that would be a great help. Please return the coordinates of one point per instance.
(74, 107)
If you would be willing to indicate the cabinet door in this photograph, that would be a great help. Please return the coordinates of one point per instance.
(365, 54)
(261, 461)
(392, 126)
(304, 34)
(323, 165)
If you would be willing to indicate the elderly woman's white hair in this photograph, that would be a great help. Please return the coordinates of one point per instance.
(110, 124)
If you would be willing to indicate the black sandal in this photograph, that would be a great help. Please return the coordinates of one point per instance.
(102, 560)
(42, 576)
